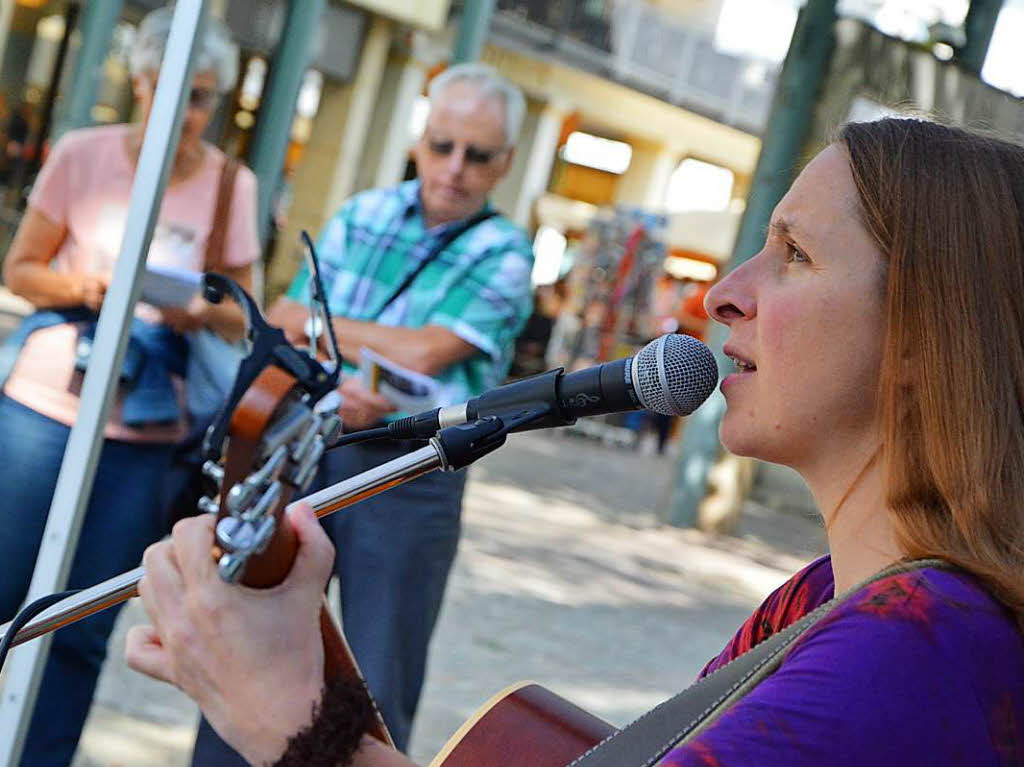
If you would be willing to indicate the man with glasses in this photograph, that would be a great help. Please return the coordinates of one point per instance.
(428, 275)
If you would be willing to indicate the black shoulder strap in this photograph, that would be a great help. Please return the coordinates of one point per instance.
(644, 742)
(443, 242)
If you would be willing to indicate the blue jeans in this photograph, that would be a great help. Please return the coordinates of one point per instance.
(123, 517)
(394, 552)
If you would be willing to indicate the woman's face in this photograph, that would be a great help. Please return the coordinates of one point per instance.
(199, 106)
(806, 323)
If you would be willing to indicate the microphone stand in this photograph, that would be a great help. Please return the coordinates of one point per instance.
(451, 449)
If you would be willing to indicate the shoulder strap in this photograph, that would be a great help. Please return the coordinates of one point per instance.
(219, 229)
(644, 742)
(443, 242)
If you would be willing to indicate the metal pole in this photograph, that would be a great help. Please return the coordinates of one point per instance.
(277, 111)
(98, 22)
(979, 24)
(27, 168)
(473, 28)
(6, 14)
(785, 135)
(74, 482)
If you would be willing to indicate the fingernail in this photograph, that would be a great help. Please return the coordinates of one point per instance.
(299, 508)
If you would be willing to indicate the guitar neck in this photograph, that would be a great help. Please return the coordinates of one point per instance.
(340, 664)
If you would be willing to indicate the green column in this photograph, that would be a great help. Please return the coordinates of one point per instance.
(270, 140)
(473, 28)
(97, 26)
(796, 95)
(978, 27)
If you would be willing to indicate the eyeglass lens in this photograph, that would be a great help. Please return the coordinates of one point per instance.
(473, 155)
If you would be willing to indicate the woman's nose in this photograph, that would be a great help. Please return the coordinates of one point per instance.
(732, 298)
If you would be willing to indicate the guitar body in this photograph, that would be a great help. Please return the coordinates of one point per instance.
(526, 725)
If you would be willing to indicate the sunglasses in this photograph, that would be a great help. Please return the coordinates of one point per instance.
(202, 98)
(473, 155)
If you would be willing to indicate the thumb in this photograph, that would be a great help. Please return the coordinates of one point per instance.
(315, 558)
(145, 653)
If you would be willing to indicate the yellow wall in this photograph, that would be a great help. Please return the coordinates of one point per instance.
(310, 183)
(427, 14)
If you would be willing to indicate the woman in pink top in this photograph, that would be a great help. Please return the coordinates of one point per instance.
(61, 260)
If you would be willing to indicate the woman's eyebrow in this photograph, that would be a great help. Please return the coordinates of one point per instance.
(784, 227)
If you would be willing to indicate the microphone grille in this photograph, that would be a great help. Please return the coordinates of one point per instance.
(674, 374)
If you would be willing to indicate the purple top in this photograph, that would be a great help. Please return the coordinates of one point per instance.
(921, 668)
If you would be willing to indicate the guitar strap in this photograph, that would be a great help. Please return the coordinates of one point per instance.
(645, 741)
(442, 242)
(214, 260)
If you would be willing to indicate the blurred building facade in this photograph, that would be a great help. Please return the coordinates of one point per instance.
(644, 74)
(650, 111)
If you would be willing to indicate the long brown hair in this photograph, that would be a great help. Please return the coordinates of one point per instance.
(947, 209)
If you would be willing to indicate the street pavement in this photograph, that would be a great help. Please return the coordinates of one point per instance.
(566, 575)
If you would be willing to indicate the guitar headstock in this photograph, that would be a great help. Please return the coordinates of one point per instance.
(275, 440)
(264, 445)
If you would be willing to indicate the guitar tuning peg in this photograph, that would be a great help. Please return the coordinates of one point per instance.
(301, 447)
(264, 507)
(230, 567)
(302, 474)
(214, 471)
(207, 505)
(330, 429)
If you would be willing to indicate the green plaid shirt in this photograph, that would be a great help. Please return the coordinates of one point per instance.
(478, 286)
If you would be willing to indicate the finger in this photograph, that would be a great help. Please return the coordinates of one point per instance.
(144, 652)
(382, 404)
(367, 398)
(193, 544)
(314, 560)
(161, 584)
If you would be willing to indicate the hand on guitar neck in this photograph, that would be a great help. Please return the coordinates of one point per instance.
(253, 659)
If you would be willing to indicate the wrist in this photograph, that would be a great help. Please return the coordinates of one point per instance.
(341, 718)
(77, 284)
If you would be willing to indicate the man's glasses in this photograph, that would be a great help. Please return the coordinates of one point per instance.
(474, 155)
(202, 98)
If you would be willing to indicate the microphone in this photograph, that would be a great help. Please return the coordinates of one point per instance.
(672, 375)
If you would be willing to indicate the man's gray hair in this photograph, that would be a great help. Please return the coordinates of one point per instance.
(489, 84)
(216, 52)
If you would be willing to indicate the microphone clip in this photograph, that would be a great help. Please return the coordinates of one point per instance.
(459, 446)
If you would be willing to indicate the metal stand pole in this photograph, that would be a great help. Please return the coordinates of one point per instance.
(97, 25)
(273, 131)
(74, 483)
(473, 28)
(978, 26)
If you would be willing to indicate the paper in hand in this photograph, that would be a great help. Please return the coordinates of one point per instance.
(167, 286)
(408, 390)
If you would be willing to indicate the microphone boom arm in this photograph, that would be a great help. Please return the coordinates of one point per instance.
(452, 449)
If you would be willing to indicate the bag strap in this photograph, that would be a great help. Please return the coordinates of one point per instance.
(443, 242)
(645, 741)
(219, 230)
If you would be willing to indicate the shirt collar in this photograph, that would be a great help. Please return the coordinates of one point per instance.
(409, 192)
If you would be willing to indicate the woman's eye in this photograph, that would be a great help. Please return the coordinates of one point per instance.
(794, 254)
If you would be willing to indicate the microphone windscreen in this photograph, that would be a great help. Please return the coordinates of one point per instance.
(674, 374)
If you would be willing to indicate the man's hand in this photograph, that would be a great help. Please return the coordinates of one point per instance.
(361, 408)
(251, 658)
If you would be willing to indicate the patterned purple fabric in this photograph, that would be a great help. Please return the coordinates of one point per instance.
(921, 668)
